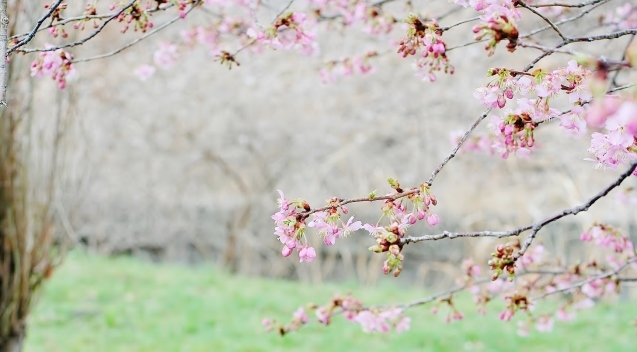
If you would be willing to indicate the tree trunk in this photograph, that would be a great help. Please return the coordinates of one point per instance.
(14, 342)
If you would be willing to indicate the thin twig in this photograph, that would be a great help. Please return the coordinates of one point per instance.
(465, 136)
(81, 41)
(550, 23)
(117, 51)
(31, 34)
(581, 4)
(586, 281)
(535, 227)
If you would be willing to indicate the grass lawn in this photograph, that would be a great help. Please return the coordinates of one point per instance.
(123, 304)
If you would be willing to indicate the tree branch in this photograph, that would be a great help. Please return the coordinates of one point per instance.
(31, 34)
(535, 226)
(81, 41)
(117, 51)
(4, 65)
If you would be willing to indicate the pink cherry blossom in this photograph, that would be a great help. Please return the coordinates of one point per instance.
(307, 254)
(144, 72)
(433, 219)
(301, 315)
(166, 56)
(544, 324)
(563, 315)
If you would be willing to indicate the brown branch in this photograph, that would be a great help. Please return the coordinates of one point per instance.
(4, 65)
(586, 281)
(85, 18)
(593, 38)
(550, 23)
(566, 20)
(535, 227)
(574, 211)
(31, 34)
(465, 136)
(581, 4)
(117, 51)
(81, 41)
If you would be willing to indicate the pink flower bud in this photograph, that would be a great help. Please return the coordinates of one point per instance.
(286, 251)
(386, 267)
(509, 93)
(433, 219)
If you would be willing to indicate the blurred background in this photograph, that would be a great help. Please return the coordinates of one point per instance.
(182, 171)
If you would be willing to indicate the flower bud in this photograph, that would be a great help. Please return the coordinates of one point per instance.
(433, 219)
(386, 268)
(398, 270)
(286, 251)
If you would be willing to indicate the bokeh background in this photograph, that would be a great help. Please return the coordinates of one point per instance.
(181, 172)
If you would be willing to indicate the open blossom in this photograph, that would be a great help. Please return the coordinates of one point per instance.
(57, 64)
(523, 328)
(144, 72)
(166, 56)
(300, 315)
(563, 315)
(323, 315)
(424, 40)
(383, 321)
(533, 256)
(608, 237)
(291, 31)
(544, 323)
(594, 289)
(307, 254)
(623, 17)
(347, 67)
(470, 269)
(506, 315)
(573, 122)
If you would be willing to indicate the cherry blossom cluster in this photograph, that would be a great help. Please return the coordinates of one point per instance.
(492, 8)
(571, 80)
(532, 277)
(371, 320)
(389, 238)
(137, 15)
(424, 39)
(609, 237)
(291, 31)
(291, 223)
(558, 12)
(500, 18)
(521, 274)
(622, 17)
(57, 64)
(618, 116)
(376, 22)
(627, 196)
(211, 36)
(290, 228)
(57, 16)
(513, 132)
(90, 11)
(582, 281)
(347, 67)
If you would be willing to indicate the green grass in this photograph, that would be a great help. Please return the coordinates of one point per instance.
(124, 304)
